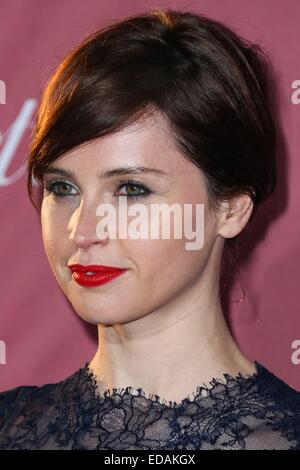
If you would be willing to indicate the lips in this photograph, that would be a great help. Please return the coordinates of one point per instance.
(94, 268)
(100, 274)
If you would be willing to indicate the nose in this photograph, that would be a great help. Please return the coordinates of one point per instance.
(82, 227)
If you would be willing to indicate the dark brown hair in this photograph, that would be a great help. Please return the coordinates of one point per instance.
(208, 82)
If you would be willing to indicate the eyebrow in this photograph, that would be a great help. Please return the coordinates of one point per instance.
(129, 170)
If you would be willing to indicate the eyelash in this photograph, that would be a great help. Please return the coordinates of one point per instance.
(51, 185)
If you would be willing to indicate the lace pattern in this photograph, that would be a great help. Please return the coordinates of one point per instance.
(258, 411)
(201, 390)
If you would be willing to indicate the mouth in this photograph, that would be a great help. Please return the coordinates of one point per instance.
(94, 275)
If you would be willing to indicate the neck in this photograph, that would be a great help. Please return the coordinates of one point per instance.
(170, 351)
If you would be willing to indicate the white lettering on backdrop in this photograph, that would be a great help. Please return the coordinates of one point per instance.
(10, 140)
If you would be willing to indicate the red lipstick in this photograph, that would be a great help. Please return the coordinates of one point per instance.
(100, 274)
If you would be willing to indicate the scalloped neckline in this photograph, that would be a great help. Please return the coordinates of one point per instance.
(201, 391)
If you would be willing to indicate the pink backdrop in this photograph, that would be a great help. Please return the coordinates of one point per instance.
(41, 337)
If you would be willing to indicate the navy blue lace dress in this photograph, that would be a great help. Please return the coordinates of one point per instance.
(257, 411)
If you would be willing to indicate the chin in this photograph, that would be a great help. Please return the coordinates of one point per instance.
(92, 315)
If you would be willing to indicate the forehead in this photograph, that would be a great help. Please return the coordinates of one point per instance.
(147, 142)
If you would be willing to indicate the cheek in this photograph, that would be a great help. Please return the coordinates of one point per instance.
(168, 263)
(52, 229)
(164, 265)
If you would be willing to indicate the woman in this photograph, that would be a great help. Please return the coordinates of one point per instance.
(169, 108)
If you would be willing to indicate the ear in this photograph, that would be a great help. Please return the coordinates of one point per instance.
(234, 215)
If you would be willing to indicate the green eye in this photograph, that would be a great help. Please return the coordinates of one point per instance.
(135, 190)
(64, 187)
(59, 188)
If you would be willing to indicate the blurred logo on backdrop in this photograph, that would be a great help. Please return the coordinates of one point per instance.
(11, 138)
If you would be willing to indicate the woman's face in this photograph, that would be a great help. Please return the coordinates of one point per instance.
(158, 270)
